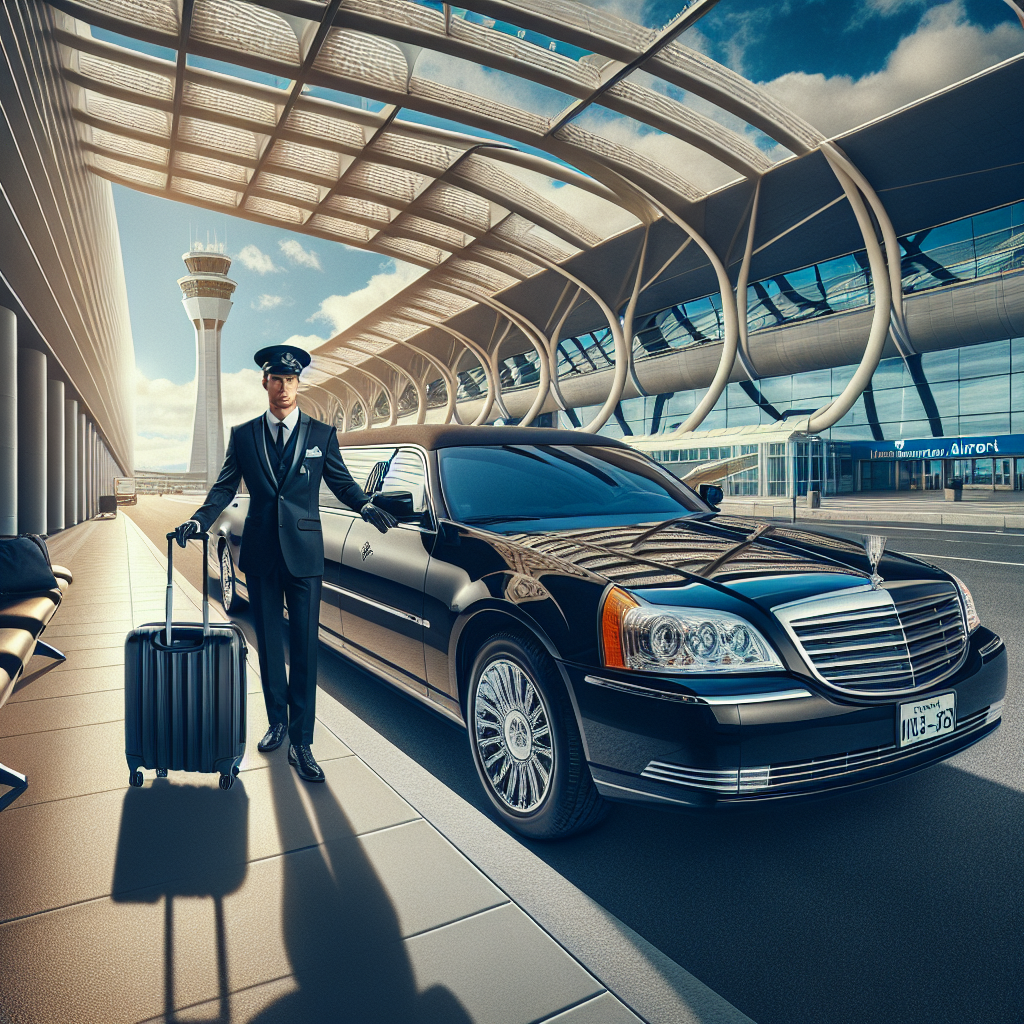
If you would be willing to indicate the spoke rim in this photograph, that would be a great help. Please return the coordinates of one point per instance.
(512, 732)
(227, 582)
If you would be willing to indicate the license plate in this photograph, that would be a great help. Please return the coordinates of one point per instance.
(926, 719)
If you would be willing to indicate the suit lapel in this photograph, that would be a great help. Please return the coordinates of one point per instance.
(300, 449)
(259, 437)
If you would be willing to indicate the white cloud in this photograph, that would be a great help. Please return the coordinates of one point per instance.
(595, 213)
(341, 311)
(164, 412)
(257, 260)
(887, 8)
(268, 302)
(293, 250)
(944, 48)
(306, 341)
(243, 397)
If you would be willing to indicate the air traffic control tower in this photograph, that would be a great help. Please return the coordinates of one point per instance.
(206, 295)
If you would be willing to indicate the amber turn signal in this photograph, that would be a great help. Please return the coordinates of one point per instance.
(616, 604)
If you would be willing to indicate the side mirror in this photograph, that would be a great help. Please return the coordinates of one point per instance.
(712, 494)
(398, 503)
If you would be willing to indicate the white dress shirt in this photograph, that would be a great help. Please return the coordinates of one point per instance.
(289, 425)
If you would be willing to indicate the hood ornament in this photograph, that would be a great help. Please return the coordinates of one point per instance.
(874, 545)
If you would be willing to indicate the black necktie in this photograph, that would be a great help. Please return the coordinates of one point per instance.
(279, 443)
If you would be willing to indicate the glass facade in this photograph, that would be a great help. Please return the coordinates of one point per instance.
(978, 390)
(963, 250)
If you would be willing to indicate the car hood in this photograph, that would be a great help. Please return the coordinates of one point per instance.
(763, 561)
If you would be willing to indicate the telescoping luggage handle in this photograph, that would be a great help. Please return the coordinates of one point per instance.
(170, 584)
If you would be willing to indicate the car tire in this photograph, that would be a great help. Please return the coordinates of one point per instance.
(525, 742)
(228, 587)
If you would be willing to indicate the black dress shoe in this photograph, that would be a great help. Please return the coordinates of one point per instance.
(302, 757)
(274, 738)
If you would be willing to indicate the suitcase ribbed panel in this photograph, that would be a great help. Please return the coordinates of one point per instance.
(185, 707)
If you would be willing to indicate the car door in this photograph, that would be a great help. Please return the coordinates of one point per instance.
(336, 520)
(382, 575)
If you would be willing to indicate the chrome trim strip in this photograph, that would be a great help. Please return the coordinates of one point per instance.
(643, 691)
(408, 616)
(993, 645)
(759, 698)
(773, 778)
(685, 698)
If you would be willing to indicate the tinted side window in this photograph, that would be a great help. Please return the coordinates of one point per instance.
(406, 474)
(359, 462)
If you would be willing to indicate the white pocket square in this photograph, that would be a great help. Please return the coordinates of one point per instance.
(314, 453)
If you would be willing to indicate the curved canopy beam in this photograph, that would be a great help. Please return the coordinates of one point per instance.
(831, 413)
(486, 363)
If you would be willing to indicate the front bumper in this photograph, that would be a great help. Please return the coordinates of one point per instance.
(787, 739)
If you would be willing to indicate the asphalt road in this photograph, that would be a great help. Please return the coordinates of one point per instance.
(900, 903)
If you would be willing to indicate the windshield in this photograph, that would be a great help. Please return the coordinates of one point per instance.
(525, 482)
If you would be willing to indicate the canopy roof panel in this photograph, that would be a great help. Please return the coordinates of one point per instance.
(301, 126)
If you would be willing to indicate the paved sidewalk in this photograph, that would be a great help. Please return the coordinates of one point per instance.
(978, 509)
(275, 900)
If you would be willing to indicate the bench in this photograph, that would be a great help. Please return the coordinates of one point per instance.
(23, 617)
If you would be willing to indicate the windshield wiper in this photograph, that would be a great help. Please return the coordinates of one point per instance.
(761, 530)
(661, 526)
(483, 520)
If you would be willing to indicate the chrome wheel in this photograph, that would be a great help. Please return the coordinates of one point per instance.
(512, 731)
(228, 594)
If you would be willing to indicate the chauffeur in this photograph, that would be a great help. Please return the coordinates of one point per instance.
(282, 457)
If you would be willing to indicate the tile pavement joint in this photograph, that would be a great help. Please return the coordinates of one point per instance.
(235, 991)
(66, 728)
(583, 1002)
(465, 917)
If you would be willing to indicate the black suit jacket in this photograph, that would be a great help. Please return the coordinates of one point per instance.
(283, 516)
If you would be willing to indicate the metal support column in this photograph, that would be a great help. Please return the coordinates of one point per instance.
(54, 456)
(83, 436)
(8, 422)
(70, 462)
(31, 441)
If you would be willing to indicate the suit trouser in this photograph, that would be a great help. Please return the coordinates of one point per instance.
(290, 698)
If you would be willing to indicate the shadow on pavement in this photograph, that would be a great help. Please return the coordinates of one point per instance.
(192, 841)
(341, 931)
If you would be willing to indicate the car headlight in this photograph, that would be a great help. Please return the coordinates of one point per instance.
(973, 620)
(655, 638)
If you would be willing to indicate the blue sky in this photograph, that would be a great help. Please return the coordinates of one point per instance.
(279, 294)
(838, 63)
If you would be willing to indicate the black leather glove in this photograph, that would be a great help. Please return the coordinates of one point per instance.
(378, 517)
(183, 533)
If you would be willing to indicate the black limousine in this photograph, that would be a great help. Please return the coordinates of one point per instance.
(604, 633)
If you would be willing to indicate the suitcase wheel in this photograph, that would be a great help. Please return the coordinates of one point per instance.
(161, 773)
(235, 770)
(227, 781)
(135, 779)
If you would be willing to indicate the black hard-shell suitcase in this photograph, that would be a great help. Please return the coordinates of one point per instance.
(184, 692)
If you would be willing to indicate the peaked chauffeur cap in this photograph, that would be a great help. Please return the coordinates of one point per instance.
(284, 359)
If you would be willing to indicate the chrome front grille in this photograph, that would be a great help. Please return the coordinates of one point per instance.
(814, 774)
(934, 626)
(899, 638)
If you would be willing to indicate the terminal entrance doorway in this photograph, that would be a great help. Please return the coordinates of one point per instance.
(997, 474)
(920, 475)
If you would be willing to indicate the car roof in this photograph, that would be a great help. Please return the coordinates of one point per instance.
(440, 435)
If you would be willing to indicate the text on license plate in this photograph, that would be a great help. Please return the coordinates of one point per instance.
(926, 719)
